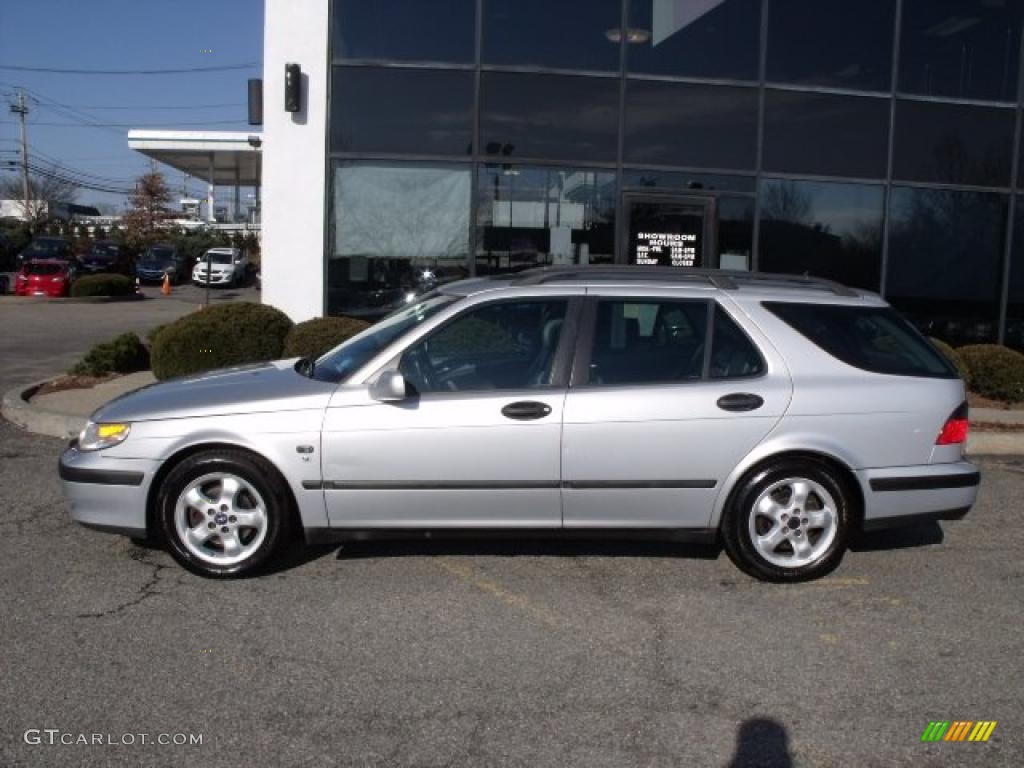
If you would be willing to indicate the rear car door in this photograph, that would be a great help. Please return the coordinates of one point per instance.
(477, 441)
(668, 394)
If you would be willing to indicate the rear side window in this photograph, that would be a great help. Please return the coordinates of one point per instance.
(651, 341)
(873, 339)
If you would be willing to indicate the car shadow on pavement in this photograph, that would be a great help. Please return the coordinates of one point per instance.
(523, 547)
(761, 742)
(921, 535)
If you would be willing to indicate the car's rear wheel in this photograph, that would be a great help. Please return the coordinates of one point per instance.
(223, 512)
(788, 521)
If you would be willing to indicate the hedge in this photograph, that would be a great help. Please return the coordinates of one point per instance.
(315, 337)
(103, 284)
(219, 337)
(996, 372)
(125, 354)
(954, 357)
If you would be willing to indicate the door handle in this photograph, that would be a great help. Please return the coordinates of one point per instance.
(740, 401)
(526, 410)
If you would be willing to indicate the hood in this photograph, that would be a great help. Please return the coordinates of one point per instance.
(255, 388)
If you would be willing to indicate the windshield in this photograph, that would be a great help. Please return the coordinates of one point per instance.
(161, 255)
(103, 252)
(44, 246)
(217, 258)
(35, 268)
(341, 362)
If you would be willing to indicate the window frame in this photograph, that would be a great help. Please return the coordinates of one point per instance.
(580, 378)
(560, 365)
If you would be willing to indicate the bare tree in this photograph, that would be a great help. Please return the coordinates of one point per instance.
(149, 210)
(46, 191)
(785, 201)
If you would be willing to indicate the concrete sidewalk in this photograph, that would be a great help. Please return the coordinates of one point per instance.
(62, 414)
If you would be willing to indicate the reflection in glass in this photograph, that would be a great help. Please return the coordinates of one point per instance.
(945, 251)
(569, 34)
(412, 111)
(838, 43)
(704, 126)
(735, 232)
(960, 49)
(695, 38)
(560, 117)
(826, 134)
(1015, 298)
(405, 30)
(952, 143)
(679, 181)
(395, 227)
(823, 229)
(532, 215)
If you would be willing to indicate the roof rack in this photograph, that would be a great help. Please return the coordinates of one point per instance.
(726, 280)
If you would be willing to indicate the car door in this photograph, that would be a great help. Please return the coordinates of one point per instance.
(476, 441)
(668, 394)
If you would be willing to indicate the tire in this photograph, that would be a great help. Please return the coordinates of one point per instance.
(223, 513)
(766, 540)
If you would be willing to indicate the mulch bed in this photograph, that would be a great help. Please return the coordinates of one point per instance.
(68, 381)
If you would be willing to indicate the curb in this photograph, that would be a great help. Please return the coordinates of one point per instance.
(18, 410)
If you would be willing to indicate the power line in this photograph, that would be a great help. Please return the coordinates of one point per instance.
(170, 124)
(147, 108)
(181, 71)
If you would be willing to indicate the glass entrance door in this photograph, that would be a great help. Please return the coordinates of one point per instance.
(669, 231)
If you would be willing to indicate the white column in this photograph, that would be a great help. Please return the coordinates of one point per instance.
(211, 216)
(294, 207)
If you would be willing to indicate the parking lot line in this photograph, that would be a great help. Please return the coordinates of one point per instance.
(468, 575)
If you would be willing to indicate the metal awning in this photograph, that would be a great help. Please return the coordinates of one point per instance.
(223, 158)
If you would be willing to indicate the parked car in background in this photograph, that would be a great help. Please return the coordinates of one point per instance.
(228, 267)
(106, 256)
(775, 413)
(45, 277)
(160, 260)
(46, 247)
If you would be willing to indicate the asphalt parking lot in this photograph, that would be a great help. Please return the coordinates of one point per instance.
(507, 653)
(40, 337)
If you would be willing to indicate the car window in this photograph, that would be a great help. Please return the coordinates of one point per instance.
(874, 339)
(501, 345)
(648, 341)
(345, 359)
(733, 354)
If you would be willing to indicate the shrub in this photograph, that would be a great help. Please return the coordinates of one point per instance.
(954, 357)
(314, 337)
(219, 337)
(125, 354)
(103, 285)
(996, 372)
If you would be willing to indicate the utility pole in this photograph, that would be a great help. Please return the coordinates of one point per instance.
(21, 110)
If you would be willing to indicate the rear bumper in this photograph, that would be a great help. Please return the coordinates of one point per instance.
(906, 495)
(107, 494)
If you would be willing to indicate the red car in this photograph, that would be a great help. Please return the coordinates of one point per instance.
(44, 277)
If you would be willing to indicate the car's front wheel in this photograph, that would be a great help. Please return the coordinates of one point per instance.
(223, 512)
(788, 521)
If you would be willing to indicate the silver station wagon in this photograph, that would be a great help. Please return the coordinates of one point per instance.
(776, 414)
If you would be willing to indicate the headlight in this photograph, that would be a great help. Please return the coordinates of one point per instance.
(96, 437)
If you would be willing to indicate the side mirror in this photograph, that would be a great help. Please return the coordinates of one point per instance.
(389, 387)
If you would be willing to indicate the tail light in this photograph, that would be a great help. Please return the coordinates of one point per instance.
(955, 429)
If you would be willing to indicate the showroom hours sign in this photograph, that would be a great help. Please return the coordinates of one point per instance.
(666, 249)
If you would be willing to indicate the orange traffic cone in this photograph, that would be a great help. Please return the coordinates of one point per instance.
(165, 289)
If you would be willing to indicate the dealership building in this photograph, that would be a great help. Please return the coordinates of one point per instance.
(875, 142)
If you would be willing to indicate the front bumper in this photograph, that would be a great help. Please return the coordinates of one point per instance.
(106, 493)
(217, 279)
(897, 496)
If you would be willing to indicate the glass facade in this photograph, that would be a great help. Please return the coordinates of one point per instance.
(874, 142)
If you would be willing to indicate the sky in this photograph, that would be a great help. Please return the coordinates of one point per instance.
(123, 34)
